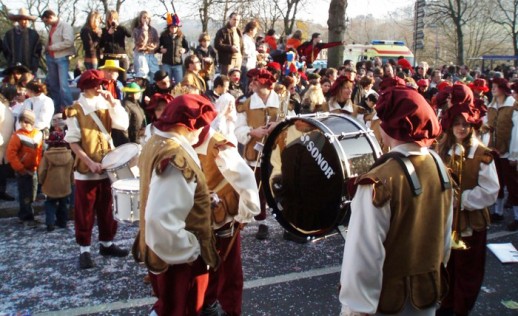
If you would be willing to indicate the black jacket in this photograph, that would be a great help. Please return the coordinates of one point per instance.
(173, 56)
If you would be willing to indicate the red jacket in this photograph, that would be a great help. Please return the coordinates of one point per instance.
(309, 53)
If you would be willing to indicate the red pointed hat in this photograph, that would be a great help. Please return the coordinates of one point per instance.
(406, 116)
(190, 110)
(462, 104)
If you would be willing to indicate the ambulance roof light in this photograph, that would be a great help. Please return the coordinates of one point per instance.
(384, 42)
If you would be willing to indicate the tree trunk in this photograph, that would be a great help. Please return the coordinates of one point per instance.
(460, 42)
(336, 25)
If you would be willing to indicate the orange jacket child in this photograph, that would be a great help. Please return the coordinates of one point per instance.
(25, 149)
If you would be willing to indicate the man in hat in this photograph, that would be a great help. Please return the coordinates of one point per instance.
(398, 243)
(192, 78)
(255, 120)
(176, 240)
(90, 121)
(162, 84)
(137, 117)
(111, 71)
(22, 44)
(229, 44)
(58, 50)
(172, 46)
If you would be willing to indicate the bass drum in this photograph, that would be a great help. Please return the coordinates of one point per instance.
(306, 164)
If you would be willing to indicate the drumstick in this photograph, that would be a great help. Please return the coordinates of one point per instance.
(232, 241)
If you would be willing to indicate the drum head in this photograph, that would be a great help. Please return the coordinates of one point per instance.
(129, 185)
(306, 164)
(120, 156)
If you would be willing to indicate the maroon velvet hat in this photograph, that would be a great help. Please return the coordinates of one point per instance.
(503, 85)
(462, 104)
(389, 82)
(190, 110)
(157, 98)
(91, 79)
(406, 116)
(339, 82)
(263, 76)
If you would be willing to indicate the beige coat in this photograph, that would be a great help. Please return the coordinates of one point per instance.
(55, 172)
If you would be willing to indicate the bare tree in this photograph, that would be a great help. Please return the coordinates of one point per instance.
(336, 24)
(288, 11)
(267, 13)
(106, 5)
(506, 15)
(455, 13)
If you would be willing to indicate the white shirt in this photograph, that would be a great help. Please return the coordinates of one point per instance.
(242, 130)
(249, 52)
(513, 145)
(119, 118)
(362, 267)
(236, 172)
(170, 200)
(43, 108)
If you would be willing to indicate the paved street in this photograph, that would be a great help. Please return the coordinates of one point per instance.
(39, 272)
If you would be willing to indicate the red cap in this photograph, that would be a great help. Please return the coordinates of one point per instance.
(479, 84)
(274, 65)
(91, 79)
(462, 104)
(339, 82)
(190, 110)
(443, 84)
(406, 116)
(423, 83)
(405, 64)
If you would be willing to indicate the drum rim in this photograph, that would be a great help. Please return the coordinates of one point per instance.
(115, 167)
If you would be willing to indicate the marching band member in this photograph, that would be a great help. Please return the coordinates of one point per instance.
(236, 202)
(90, 121)
(340, 97)
(255, 119)
(398, 243)
(479, 188)
(176, 240)
(501, 114)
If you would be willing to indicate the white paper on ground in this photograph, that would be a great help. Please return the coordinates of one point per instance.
(505, 252)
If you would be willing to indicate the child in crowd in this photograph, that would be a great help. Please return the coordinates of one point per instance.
(24, 154)
(56, 176)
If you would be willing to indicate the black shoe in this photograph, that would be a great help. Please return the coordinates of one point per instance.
(6, 197)
(262, 232)
(512, 226)
(113, 251)
(214, 309)
(85, 261)
(496, 218)
(50, 228)
(292, 237)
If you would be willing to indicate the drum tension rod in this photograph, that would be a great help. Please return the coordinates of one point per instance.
(344, 135)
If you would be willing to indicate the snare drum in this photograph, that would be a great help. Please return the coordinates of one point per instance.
(126, 200)
(121, 163)
(306, 164)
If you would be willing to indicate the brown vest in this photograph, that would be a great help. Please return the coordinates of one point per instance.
(500, 122)
(92, 141)
(478, 220)
(158, 153)
(414, 244)
(256, 118)
(229, 199)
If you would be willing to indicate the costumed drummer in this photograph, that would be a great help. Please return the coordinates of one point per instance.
(235, 203)
(398, 243)
(176, 240)
(255, 120)
(90, 121)
(479, 188)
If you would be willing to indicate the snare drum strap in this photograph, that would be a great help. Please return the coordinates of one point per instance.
(105, 133)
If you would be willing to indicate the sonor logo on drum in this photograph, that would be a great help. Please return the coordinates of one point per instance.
(319, 159)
